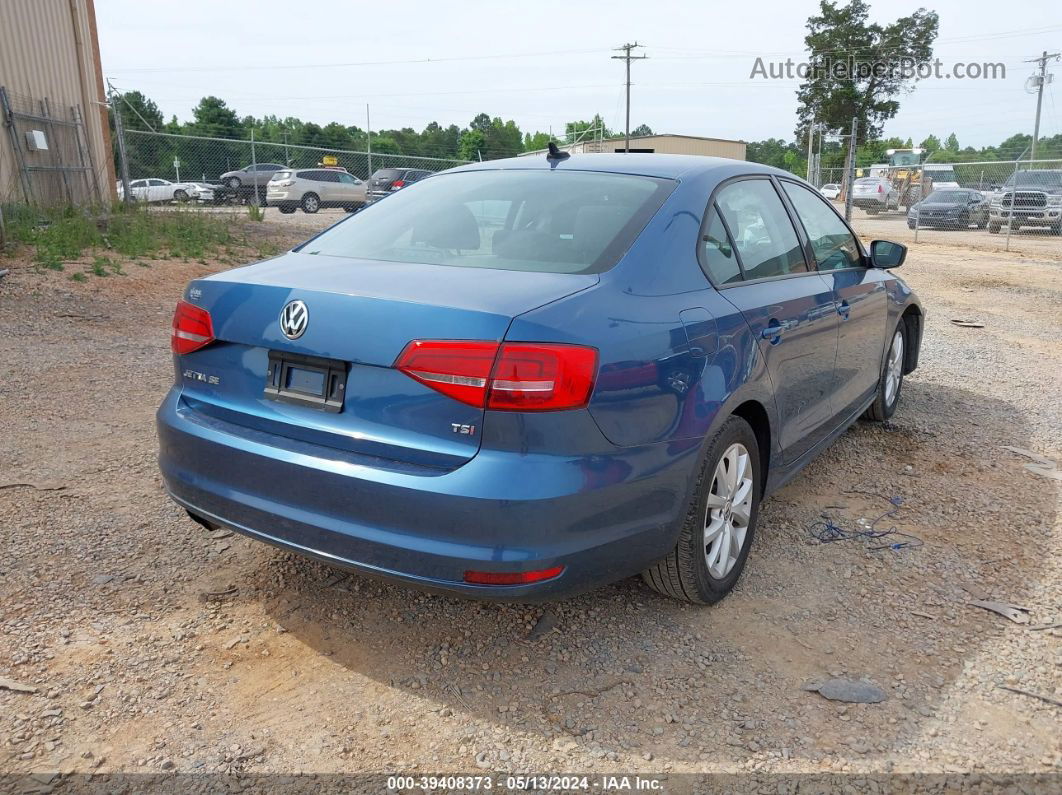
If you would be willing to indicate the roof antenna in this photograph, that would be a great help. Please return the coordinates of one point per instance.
(556, 154)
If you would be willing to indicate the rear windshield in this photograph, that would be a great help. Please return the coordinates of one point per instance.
(386, 173)
(281, 175)
(868, 181)
(547, 221)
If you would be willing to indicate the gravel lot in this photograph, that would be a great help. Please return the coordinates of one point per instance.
(155, 646)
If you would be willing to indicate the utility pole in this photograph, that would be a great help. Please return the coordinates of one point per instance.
(628, 58)
(1041, 79)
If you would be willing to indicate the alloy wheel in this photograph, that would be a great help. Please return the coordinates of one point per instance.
(726, 520)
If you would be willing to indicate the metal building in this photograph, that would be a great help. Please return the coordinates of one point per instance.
(667, 144)
(54, 140)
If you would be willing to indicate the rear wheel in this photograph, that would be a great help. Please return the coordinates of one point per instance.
(180, 195)
(311, 203)
(234, 183)
(720, 522)
(891, 381)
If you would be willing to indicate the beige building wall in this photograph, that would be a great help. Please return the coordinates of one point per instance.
(675, 145)
(49, 49)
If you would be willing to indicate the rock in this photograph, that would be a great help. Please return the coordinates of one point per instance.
(854, 691)
(15, 687)
(546, 623)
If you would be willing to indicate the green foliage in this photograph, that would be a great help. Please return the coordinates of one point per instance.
(255, 213)
(78, 277)
(844, 35)
(62, 235)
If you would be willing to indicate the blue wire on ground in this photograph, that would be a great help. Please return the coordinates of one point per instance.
(826, 531)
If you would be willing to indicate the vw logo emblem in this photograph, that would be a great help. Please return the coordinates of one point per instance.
(294, 318)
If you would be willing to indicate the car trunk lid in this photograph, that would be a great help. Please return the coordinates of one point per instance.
(361, 314)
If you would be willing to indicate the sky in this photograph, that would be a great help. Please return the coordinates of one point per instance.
(545, 63)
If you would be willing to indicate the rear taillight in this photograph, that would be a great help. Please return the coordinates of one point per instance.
(881, 189)
(398, 183)
(510, 376)
(192, 328)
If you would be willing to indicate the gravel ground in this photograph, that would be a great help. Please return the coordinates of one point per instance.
(155, 646)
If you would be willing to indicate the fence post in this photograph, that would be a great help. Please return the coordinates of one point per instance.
(254, 169)
(1013, 201)
(850, 172)
(123, 160)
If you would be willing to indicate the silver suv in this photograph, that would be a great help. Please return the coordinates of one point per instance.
(314, 188)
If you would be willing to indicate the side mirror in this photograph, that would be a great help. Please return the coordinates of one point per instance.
(886, 254)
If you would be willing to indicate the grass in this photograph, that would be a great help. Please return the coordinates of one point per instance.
(131, 232)
(78, 277)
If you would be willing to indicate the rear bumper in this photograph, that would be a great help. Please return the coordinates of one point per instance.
(601, 517)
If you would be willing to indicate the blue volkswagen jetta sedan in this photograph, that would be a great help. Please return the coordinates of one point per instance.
(523, 378)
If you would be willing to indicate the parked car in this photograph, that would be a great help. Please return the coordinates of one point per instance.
(1028, 198)
(386, 181)
(949, 209)
(155, 190)
(314, 188)
(251, 176)
(875, 195)
(830, 190)
(529, 409)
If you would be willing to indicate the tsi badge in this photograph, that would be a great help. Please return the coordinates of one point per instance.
(464, 430)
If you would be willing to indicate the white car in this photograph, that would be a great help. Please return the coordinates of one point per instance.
(830, 191)
(162, 190)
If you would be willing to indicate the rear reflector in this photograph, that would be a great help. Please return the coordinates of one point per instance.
(192, 328)
(511, 577)
(511, 376)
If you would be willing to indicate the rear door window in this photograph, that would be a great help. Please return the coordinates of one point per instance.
(717, 252)
(763, 234)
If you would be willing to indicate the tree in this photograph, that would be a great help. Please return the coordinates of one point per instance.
(931, 144)
(535, 141)
(471, 145)
(214, 118)
(592, 129)
(952, 144)
(641, 130)
(858, 68)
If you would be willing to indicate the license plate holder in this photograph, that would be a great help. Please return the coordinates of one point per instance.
(306, 381)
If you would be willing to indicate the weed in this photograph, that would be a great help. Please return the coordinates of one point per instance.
(78, 277)
(98, 269)
(255, 213)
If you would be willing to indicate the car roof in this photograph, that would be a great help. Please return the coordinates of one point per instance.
(649, 165)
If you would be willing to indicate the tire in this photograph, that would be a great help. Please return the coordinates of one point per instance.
(311, 203)
(872, 210)
(286, 209)
(994, 227)
(234, 183)
(890, 382)
(1056, 229)
(982, 223)
(180, 195)
(686, 572)
(964, 221)
(910, 225)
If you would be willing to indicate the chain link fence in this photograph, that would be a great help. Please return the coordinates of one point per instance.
(167, 168)
(1008, 205)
